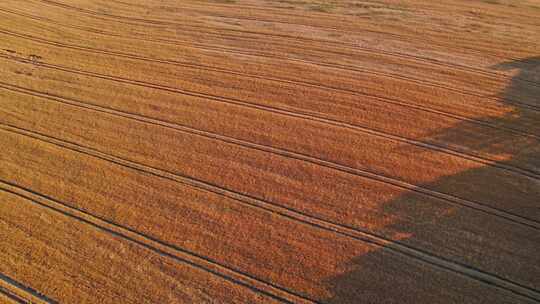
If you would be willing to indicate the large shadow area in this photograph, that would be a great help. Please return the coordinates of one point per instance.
(435, 228)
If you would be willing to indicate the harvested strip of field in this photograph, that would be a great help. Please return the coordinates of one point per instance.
(256, 19)
(519, 195)
(7, 297)
(310, 185)
(40, 250)
(12, 291)
(403, 94)
(257, 151)
(185, 37)
(229, 222)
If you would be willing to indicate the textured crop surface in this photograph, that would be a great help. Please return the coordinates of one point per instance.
(269, 151)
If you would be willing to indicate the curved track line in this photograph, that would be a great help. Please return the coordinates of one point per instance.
(414, 80)
(259, 106)
(343, 45)
(448, 198)
(281, 9)
(359, 129)
(313, 118)
(110, 110)
(525, 172)
(161, 248)
(397, 36)
(267, 55)
(354, 233)
(21, 293)
(11, 297)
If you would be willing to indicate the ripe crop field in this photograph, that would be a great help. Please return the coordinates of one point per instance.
(269, 151)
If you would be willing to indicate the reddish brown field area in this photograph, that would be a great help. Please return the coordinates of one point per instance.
(269, 151)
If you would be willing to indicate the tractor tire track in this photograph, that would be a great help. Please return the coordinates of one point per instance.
(413, 80)
(256, 53)
(398, 37)
(246, 103)
(163, 249)
(270, 7)
(10, 297)
(259, 106)
(365, 130)
(288, 113)
(354, 233)
(448, 198)
(21, 293)
(342, 45)
(334, 29)
(263, 8)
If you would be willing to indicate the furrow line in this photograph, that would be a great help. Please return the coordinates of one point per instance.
(12, 296)
(219, 49)
(347, 45)
(302, 157)
(164, 22)
(258, 54)
(280, 80)
(354, 233)
(365, 130)
(258, 106)
(266, 8)
(162, 248)
(342, 31)
(20, 292)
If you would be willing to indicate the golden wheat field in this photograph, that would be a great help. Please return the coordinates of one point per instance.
(269, 151)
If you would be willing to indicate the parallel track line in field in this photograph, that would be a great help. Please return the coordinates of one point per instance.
(274, 8)
(160, 247)
(354, 233)
(359, 129)
(444, 196)
(414, 80)
(397, 36)
(342, 31)
(12, 296)
(21, 293)
(256, 105)
(243, 52)
(250, 53)
(448, 198)
(343, 45)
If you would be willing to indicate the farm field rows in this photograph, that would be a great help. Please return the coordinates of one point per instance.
(269, 151)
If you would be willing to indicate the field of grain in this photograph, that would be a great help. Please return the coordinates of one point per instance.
(269, 151)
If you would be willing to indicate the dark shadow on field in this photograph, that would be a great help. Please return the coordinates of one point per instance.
(437, 227)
